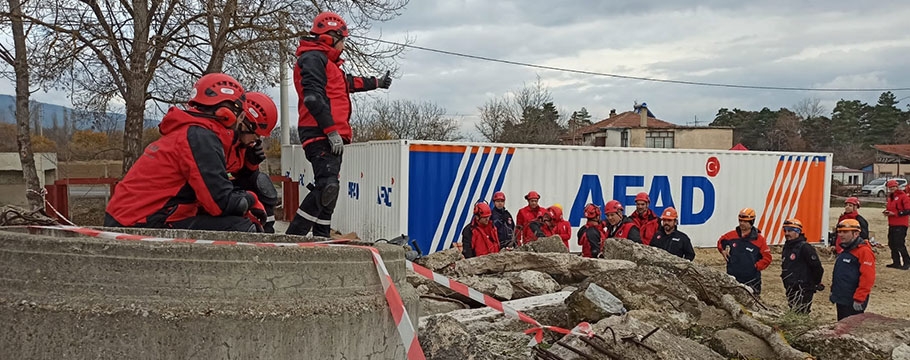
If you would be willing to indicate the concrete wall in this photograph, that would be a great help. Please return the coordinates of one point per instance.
(892, 169)
(703, 138)
(12, 184)
(70, 297)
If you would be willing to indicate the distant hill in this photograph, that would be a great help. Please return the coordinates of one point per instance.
(50, 113)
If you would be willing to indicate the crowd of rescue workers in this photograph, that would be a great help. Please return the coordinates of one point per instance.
(744, 248)
(203, 174)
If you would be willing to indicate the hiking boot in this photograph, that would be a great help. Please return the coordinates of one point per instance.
(893, 266)
(905, 267)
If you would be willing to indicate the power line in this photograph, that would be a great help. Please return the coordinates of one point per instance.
(628, 77)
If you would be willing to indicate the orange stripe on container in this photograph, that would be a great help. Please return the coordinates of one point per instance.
(764, 211)
(438, 148)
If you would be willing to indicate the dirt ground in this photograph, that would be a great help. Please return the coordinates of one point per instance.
(889, 295)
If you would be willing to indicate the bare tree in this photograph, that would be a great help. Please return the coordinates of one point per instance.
(526, 115)
(494, 115)
(18, 59)
(404, 119)
(809, 108)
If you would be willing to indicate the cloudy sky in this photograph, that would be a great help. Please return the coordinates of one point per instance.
(812, 44)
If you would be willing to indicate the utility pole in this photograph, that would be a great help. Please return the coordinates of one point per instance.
(283, 90)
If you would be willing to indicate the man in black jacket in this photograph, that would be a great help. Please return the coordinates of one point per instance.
(502, 219)
(670, 238)
(801, 270)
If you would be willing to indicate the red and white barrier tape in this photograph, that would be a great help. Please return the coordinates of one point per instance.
(582, 329)
(402, 322)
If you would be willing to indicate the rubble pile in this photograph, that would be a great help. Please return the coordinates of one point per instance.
(642, 303)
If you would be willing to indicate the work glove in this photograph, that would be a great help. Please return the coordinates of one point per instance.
(385, 81)
(255, 154)
(256, 213)
(858, 306)
(336, 142)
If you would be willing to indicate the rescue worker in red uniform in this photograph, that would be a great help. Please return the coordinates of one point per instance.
(801, 270)
(851, 211)
(502, 219)
(480, 236)
(745, 251)
(246, 154)
(898, 213)
(644, 217)
(618, 225)
(181, 181)
(526, 216)
(324, 111)
(560, 226)
(670, 238)
(854, 271)
(591, 235)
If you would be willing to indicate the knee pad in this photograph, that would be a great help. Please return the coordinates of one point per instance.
(330, 195)
(266, 191)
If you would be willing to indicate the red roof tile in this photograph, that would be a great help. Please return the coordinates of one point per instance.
(902, 150)
(624, 120)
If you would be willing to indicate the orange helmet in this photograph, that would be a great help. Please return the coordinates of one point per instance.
(592, 211)
(482, 209)
(613, 206)
(329, 21)
(747, 214)
(555, 212)
(532, 195)
(848, 225)
(852, 200)
(793, 223)
(669, 214)
(642, 196)
(261, 112)
(499, 195)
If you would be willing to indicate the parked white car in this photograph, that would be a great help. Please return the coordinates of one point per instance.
(877, 187)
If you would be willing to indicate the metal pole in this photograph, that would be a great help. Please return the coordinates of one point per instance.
(283, 91)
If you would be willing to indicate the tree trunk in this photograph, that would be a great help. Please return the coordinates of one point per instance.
(773, 337)
(23, 139)
(137, 83)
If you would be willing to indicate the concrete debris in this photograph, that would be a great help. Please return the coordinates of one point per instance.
(430, 304)
(444, 338)
(901, 352)
(499, 288)
(740, 344)
(593, 303)
(863, 336)
(554, 264)
(537, 307)
(440, 260)
(652, 288)
(552, 244)
(530, 283)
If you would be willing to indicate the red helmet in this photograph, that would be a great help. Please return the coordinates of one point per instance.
(592, 211)
(891, 183)
(643, 196)
(329, 21)
(613, 206)
(555, 212)
(852, 200)
(532, 195)
(499, 195)
(482, 209)
(261, 111)
(221, 91)
(669, 214)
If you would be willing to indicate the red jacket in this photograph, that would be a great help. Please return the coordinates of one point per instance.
(564, 229)
(483, 239)
(853, 275)
(749, 254)
(523, 219)
(647, 224)
(591, 237)
(899, 204)
(178, 175)
(626, 229)
(323, 101)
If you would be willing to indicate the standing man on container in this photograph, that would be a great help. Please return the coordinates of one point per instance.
(898, 213)
(525, 232)
(745, 251)
(324, 111)
(801, 270)
(644, 217)
(854, 271)
(670, 238)
(851, 211)
(502, 220)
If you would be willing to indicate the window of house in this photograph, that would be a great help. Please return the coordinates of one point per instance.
(600, 141)
(659, 139)
(854, 179)
(624, 139)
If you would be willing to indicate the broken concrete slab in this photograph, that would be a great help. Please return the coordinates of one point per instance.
(740, 344)
(862, 336)
(652, 288)
(531, 306)
(528, 283)
(440, 260)
(901, 352)
(430, 305)
(593, 303)
(554, 264)
(444, 338)
(501, 289)
(552, 244)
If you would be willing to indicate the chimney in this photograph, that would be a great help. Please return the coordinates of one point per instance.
(612, 112)
(643, 111)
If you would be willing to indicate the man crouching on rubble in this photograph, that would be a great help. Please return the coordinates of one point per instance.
(180, 181)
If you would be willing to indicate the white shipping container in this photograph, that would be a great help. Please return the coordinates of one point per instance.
(427, 189)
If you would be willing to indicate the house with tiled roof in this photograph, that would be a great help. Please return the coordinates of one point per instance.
(891, 161)
(640, 128)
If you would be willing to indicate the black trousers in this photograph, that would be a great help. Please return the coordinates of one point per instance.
(897, 237)
(800, 298)
(755, 284)
(316, 209)
(846, 310)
